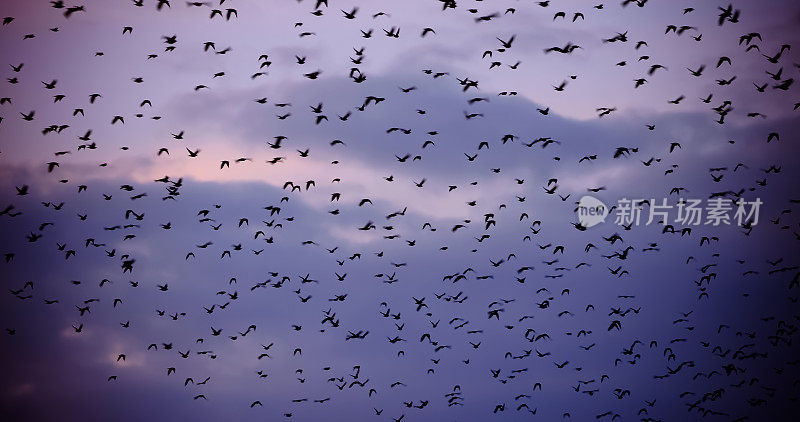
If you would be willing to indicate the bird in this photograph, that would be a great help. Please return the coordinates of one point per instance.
(413, 235)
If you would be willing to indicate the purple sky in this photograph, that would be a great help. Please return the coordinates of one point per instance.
(735, 332)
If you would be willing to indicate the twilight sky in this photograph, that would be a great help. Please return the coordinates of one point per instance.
(446, 171)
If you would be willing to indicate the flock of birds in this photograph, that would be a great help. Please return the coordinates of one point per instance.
(403, 315)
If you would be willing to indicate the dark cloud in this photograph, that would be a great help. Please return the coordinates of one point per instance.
(663, 301)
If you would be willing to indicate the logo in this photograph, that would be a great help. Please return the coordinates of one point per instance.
(591, 211)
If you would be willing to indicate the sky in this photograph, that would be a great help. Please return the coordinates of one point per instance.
(463, 159)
